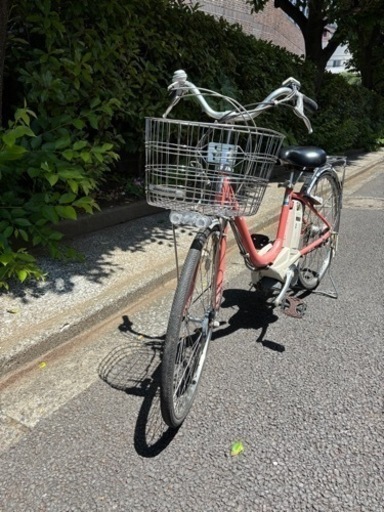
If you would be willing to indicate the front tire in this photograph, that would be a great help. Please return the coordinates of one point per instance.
(190, 326)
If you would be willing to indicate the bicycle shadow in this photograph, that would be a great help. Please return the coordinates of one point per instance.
(251, 313)
(135, 369)
(135, 366)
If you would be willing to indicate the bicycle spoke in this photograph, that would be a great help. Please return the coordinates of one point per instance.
(185, 369)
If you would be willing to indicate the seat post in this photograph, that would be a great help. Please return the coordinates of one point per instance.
(294, 177)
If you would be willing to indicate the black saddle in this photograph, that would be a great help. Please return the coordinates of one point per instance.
(303, 156)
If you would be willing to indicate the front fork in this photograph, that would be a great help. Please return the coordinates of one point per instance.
(220, 264)
(219, 257)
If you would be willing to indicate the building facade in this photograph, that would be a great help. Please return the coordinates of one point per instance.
(271, 24)
(340, 58)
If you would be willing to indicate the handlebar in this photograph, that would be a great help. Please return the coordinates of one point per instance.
(288, 92)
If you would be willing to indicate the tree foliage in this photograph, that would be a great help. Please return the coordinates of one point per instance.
(358, 22)
(364, 33)
(3, 33)
(44, 177)
(311, 16)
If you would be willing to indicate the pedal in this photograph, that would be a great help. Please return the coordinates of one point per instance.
(293, 306)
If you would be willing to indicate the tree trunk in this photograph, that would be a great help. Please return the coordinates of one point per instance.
(313, 39)
(312, 23)
(369, 42)
(3, 36)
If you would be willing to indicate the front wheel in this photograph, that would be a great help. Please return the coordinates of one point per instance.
(190, 326)
(322, 217)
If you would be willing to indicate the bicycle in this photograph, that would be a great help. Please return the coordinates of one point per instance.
(213, 175)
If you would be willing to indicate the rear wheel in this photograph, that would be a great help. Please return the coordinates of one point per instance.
(327, 202)
(190, 326)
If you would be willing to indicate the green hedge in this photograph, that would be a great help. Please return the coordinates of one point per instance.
(350, 116)
(80, 77)
(123, 54)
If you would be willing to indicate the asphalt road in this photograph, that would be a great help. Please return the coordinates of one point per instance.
(305, 397)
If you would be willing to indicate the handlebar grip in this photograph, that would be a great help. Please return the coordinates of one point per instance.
(310, 104)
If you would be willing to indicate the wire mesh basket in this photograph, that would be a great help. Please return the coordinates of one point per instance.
(211, 168)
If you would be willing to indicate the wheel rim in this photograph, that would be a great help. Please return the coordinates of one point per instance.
(313, 265)
(195, 331)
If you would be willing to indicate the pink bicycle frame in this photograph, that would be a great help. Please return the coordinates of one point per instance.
(264, 260)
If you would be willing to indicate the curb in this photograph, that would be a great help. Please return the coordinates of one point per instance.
(50, 341)
(106, 218)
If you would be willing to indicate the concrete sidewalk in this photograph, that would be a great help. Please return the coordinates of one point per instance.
(124, 260)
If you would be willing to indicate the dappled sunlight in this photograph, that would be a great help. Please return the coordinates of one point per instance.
(125, 255)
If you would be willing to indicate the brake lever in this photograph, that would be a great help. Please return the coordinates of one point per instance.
(299, 111)
(177, 93)
(299, 107)
(179, 79)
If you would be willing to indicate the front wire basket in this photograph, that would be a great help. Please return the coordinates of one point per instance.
(210, 168)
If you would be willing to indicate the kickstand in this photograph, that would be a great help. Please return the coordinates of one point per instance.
(333, 294)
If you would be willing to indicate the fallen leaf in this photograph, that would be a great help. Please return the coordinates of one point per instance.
(13, 311)
(236, 448)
